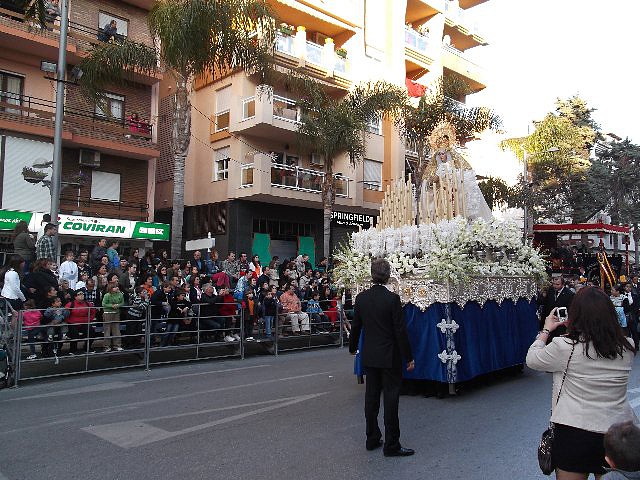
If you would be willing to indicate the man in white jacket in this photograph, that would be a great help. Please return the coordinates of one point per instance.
(69, 270)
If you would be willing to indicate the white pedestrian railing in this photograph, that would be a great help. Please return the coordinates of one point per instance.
(285, 109)
(416, 40)
(305, 180)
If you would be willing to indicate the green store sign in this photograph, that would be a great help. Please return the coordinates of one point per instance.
(89, 226)
(9, 218)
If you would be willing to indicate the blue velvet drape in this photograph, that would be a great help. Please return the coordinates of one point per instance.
(490, 338)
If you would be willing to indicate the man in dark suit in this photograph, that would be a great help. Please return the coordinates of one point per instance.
(558, 295)
(385, 343)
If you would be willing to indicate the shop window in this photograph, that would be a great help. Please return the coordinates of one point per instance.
(372, 175)
(221, 164)
(210, 218)
(223, 108)
(112, 107)
(105, 186)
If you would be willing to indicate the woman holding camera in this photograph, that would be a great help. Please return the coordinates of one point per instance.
(591, 366)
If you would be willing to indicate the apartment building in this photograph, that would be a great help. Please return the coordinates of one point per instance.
(109, 160)
(246, 182)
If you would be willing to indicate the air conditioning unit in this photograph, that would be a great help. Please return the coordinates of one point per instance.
(89, 158)
(317, 159)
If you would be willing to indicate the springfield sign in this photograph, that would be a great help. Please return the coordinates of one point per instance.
(89, 226)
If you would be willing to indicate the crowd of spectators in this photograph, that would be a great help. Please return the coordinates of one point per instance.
(103, 296)
(581, 261)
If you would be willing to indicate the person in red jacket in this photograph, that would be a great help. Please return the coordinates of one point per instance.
(81, 316)
(227, 311)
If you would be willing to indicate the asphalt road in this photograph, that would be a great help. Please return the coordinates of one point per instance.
(296, 416)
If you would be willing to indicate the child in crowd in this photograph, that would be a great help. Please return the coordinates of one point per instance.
(111, 302)
(180, 307)
(31, 320)
(317, 316)
(56, 315)
(622, 451)
(81, 317)
(137, 311)
(227, 311)
(251, 307)
(270, 309)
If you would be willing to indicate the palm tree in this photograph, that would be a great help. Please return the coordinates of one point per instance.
(336, 126)
(439, 103)
(193, 37)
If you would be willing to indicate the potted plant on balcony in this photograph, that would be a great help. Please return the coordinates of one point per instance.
(341, 52)
(32, 175)
(286, 29)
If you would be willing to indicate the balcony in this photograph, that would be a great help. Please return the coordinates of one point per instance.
(91, 207)
(267, 115)
(82, 128)
(455, 61)
(462, 30)
(319, 61)
(305, 180)
(43, 42)
(418, 49)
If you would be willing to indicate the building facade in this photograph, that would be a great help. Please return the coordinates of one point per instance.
(246, 182)
(109, 157)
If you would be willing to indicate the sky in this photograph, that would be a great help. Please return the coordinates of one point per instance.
(543, 49)
(540, 50)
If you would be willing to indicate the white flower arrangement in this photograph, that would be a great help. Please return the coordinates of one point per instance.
(442, 251)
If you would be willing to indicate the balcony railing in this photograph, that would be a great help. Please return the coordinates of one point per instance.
(285, 109)
(305, 180)
(341, 65)
(458, 53)
(26, 106)
(246, 175)
(314, 53)
(415, 40)
(90, 207)
(285, 44)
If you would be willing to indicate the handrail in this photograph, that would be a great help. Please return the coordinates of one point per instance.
(459, 54)
(46, 108)
(302, 182)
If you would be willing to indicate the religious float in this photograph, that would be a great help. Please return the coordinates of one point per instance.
(466, 280)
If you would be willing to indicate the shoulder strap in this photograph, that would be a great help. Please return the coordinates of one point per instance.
(565, 373)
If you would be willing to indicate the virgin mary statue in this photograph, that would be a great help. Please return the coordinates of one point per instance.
(450, 189)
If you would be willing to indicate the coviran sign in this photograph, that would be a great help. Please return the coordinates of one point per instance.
(89, 226)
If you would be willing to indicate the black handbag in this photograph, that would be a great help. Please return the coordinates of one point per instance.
(545, 458)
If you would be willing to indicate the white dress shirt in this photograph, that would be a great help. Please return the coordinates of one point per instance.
(11, 288)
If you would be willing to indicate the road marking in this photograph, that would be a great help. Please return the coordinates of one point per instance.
(133, 405)
(118, 385)
(136, 433)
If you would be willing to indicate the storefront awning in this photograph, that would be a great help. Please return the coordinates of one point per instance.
(580, 228)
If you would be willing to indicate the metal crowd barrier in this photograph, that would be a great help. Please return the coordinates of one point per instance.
(96, 345)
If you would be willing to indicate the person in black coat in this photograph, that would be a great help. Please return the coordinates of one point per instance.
(385, 344)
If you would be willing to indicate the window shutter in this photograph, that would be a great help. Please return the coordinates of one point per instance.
(223, 99)
(372, 171)
(105, 186)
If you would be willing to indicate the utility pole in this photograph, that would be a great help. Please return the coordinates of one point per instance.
(525, 179)
(56, 176)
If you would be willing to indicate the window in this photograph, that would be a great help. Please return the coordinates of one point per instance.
(221, 164)
(122, 24)
(372, 175)
(105, 186)
(11, 91)
(374, 125)
(210, 218)
(223, 104)
(113, 105)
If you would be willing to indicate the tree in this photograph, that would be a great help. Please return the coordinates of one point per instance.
(615, 184)
(418, 121)
(558, 165)
(336, 126)
(576, 110)
(193, 37)
(498, 194)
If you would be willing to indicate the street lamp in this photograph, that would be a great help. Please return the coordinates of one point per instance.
(525, 178)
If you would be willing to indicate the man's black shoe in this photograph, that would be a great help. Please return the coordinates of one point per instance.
(401, 452)
(378, 444)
